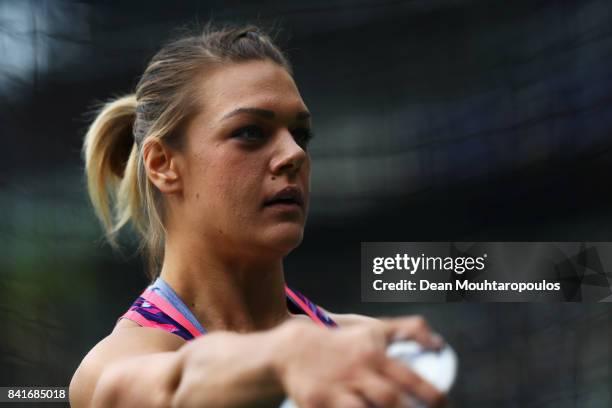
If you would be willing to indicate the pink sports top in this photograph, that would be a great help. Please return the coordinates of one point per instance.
(160, 307)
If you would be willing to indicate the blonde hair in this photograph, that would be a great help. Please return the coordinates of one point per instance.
(118, 186)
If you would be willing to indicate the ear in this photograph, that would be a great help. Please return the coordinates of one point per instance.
(161, 165)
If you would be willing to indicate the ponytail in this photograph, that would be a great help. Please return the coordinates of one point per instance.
(111, 159)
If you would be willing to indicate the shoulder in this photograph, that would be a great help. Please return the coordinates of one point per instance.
(127, 340)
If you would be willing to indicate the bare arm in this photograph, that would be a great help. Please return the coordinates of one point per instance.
(148, 367)
(128, 341)
(316, 367)
(237, 370)
(142, 381)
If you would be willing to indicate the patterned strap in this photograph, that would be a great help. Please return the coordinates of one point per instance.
(148, 314)
(171, 311)
(153, 310)
(313, 311)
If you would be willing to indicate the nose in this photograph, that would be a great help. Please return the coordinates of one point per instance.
(289, 156)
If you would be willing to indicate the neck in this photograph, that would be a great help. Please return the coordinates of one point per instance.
(223, 292)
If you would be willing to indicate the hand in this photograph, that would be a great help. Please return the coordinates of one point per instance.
(348, 368)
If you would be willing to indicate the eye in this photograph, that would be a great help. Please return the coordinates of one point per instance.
(302, 136)
(249, 133)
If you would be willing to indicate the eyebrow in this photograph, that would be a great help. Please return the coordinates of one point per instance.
(264, 113)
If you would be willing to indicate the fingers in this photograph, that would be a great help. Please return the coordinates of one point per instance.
(347, 400)
(354, 370)
(334, 398)
(411, 328)
(412, 383)
(380, 392)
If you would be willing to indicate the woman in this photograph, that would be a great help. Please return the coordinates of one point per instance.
(208, 160)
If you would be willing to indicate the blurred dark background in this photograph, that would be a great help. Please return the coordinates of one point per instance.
(441, 120)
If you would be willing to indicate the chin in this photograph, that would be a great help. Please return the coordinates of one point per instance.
(285, 237)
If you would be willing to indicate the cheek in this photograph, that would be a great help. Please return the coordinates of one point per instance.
(231, 187)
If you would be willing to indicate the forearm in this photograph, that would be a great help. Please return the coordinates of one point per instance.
(217, 370)
(230, 370)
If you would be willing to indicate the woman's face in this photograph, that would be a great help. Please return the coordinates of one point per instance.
(246, 174)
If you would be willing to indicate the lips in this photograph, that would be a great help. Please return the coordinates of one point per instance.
(288, 195)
